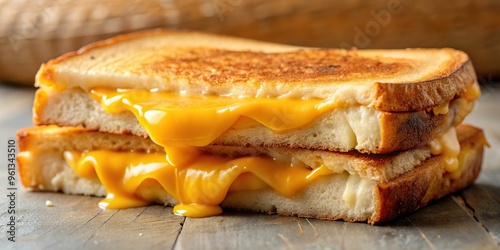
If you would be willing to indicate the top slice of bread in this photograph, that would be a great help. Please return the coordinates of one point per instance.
(197, 64)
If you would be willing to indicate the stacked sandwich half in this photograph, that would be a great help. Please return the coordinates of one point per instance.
(204, 122)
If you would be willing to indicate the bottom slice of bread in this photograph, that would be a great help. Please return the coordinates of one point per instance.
(43, 167)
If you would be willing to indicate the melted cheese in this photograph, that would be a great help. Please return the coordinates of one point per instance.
(199, 186)
(180, 122)
(448, 146)
(472, 92)
(441, 109)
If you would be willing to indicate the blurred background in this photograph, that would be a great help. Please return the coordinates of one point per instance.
(34, 31)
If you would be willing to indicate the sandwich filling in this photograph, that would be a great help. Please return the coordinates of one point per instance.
(201, 184)
(178, 122)
(199, 187)
(199, 181)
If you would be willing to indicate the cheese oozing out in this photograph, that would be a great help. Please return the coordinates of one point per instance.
(200, 182)
(470, 94)
(441, 109)
(179, 122)
(448, 146)
(199, 186)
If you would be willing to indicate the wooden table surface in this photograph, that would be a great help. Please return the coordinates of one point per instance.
(469, 219)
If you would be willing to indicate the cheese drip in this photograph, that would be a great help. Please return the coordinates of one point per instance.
(441, 109)
(448, 146)
(175, 121)
(198, 187)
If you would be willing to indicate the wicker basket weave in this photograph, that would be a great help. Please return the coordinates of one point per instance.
(34, 31)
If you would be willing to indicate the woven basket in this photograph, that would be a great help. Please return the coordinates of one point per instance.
(34, 31)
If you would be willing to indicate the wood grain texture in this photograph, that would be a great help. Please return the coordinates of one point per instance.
(483, 204)
(429, 228)
(469, 219)
(76, 222)
(444, 225)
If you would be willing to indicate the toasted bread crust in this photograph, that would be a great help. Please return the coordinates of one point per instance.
(197, 63)
(415, 189)
(43, 137)
(409, 129)
(454, 78)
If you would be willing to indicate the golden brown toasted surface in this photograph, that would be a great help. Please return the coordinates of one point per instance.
(197, 63)
(406, 129)
(54, 138)
(218, 66)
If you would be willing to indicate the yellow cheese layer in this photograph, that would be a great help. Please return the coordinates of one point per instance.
(448, 146)
(441, 109)
(199, 186)
(472, 92)
(175, 121)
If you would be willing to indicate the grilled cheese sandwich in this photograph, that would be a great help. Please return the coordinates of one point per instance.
(230, 116)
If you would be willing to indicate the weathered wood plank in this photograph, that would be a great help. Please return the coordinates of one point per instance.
(239, 231)
(442, 225)
(42, 226)
(76, 222)
(446, 225)
(483, 202)
(150, 227)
